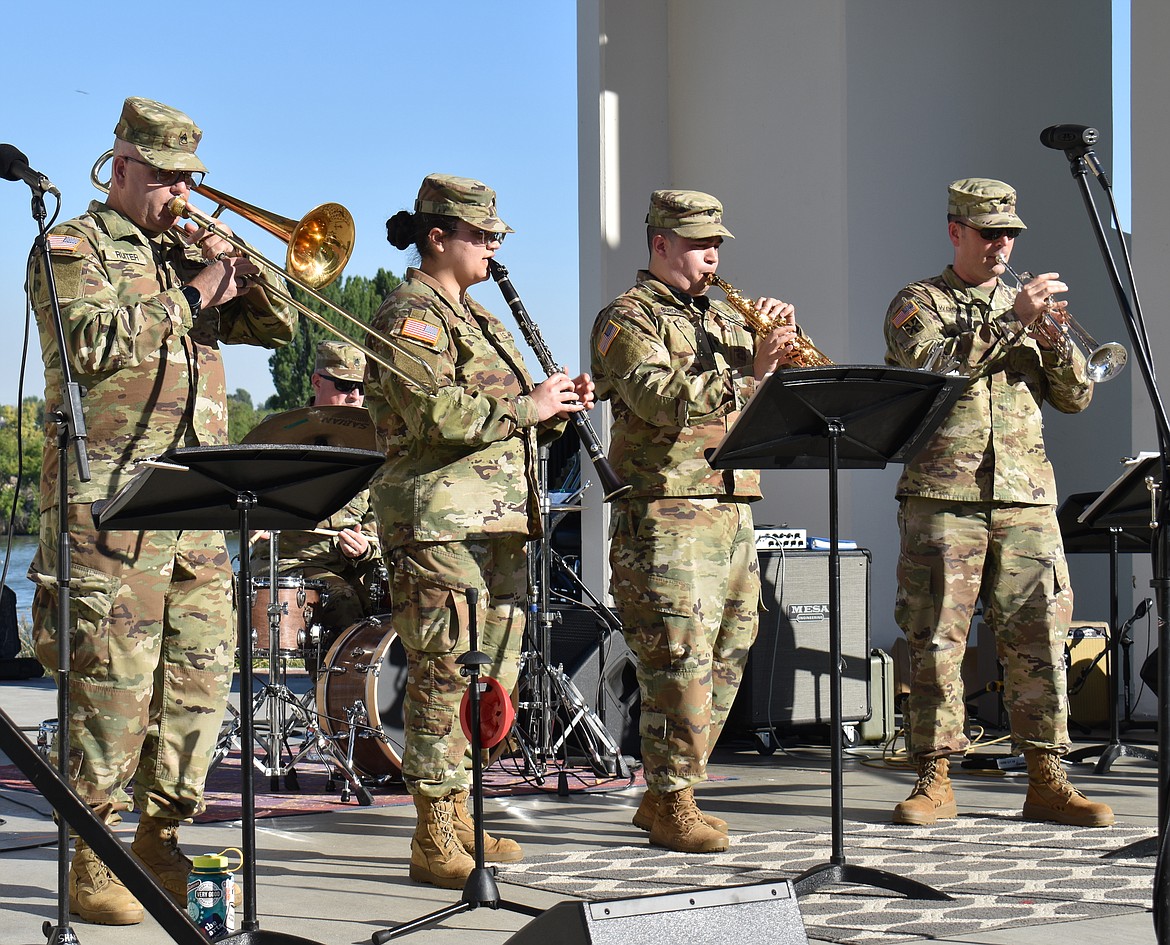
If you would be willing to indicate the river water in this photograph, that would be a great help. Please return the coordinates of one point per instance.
(23, 549)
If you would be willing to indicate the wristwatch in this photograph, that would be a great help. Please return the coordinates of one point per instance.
(194, 299)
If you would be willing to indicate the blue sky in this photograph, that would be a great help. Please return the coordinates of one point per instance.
(301, 104)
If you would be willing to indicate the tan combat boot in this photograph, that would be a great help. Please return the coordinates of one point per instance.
(1052, 799)
(436, 855)
(932, 797)
(647, 810)
(495, 849)
(96, 894)
(679, 825)
(156, 844)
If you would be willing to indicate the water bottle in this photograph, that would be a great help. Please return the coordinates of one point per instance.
(210, 893)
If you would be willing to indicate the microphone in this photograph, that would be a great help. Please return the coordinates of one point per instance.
(1069, 137)
(14, 166)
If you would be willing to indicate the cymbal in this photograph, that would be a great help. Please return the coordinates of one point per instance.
(317, 426)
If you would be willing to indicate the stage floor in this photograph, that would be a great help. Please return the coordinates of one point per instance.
(339, 875)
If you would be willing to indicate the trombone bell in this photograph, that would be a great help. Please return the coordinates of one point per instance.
(319, 244)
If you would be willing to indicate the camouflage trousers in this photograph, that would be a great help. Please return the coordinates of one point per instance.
(152, 651)
(430, 614)
(1011, 557)
(686, 583)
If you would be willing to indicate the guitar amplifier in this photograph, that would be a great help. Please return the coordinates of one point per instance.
(786, 681)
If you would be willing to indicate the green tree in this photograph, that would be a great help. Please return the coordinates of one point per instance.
(28, 447)
(292, 365)
(242, 416)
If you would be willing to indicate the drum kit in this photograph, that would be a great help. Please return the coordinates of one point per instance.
(350, 718)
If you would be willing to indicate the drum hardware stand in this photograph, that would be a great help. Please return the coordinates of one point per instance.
(480, 889)
(552, 688)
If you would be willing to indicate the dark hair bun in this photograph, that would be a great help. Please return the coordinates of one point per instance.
(400, 229)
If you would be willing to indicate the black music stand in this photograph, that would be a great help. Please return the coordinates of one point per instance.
(241, 487)
(860, 417)
(1082, 538)
(1131, 502)
(480, 888)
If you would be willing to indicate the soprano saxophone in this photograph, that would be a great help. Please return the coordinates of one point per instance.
(804, 352)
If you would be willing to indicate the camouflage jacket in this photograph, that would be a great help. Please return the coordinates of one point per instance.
(151, 380)
(305, 548)
(677, 370)
(990, 448)
(461, 441)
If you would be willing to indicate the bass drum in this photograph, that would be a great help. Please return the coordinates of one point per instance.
(360, 693)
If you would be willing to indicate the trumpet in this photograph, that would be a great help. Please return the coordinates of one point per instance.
(804, 352)
(319, 246)
(1103, 362)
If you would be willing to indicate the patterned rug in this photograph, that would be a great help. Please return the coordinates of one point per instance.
(309, 792)
(1001, 871)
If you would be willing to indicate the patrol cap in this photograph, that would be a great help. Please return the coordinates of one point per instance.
(688, 213)
(983, 202)
(340, 361)
(471, 201)
(164, 137)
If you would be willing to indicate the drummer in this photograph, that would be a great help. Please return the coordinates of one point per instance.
(343, 551)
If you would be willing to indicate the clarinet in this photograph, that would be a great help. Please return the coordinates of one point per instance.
(613, 486)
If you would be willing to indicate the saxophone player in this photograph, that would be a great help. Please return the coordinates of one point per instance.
(678, 367)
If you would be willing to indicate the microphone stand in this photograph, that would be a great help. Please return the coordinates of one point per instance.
(70, 421)
(1079, 160)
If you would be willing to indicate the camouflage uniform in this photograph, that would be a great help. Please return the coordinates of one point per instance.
(354, 587)
(977, 507)
(456, 500)
(153, 634)
(685, 577)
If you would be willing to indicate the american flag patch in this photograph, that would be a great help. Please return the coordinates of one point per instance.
(908, 310)
(419, 330)
(63, 242)
(607, 336)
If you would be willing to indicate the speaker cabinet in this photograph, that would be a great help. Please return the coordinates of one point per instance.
(609, 685)
(786, 681)
(1088, 677)
(766, 912)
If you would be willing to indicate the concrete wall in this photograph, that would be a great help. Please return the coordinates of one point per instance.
(830, 131)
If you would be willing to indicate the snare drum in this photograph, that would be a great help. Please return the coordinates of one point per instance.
(360, 693)
(298, 600)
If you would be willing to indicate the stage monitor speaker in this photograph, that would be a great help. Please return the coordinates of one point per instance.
(766, 912)
(577, 636)
(786, 681)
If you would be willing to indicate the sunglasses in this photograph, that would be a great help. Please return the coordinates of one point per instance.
(347, 386)
(478, 237)
(992, 233)
(170, 178)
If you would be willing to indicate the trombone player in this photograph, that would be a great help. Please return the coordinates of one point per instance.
(977, 508)
(145, 309)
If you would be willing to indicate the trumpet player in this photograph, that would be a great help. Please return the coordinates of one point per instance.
(977, 510)
(145, 309)
(678, 367)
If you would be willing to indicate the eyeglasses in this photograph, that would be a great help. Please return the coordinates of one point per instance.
(992, 233)
(478, 237)
(346, 387)
(170, 178)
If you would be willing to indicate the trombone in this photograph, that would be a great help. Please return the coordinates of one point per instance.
(1103, 362)
(319, 246)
